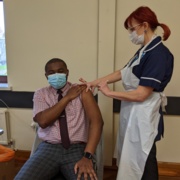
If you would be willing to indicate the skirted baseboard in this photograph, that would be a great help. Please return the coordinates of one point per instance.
(165, 168)
(169, 169)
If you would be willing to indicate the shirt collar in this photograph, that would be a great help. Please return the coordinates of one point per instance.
(66, 87)
(155, 41)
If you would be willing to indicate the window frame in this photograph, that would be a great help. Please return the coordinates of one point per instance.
(3, 79)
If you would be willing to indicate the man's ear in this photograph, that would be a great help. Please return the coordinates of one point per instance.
(46, 76)
(67, 73)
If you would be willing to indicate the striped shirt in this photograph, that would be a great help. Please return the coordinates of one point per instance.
(76, 119)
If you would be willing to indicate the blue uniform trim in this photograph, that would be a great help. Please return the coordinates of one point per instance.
(151, 79)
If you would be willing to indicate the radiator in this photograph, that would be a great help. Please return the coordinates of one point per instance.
(5, 125)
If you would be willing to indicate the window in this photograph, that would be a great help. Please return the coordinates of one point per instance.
(3, 65)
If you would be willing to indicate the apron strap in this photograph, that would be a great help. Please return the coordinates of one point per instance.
(163, 101)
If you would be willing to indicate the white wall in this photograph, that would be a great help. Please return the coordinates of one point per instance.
(169, 146)
(90, 37)
(164, 10)
(81, 32)
(39, 30)
(21, 131)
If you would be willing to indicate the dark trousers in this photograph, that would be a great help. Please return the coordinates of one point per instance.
(151, 167)
(52, 161)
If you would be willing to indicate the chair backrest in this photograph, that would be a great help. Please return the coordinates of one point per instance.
(1, 131)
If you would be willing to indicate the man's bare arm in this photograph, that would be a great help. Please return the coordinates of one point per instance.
(84, 167)
(49, 116)
(95, 121)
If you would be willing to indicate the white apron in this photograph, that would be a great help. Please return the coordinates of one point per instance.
(138, 128)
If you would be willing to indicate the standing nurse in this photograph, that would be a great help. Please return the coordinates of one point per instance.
(144, 78)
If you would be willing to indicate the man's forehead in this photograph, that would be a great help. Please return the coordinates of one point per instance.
(56, 65)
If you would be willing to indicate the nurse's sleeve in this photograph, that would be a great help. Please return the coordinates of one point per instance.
(153, 71)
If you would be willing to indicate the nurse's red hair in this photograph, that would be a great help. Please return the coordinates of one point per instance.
(145, 14)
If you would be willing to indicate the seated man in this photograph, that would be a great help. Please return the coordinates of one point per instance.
(70, 156)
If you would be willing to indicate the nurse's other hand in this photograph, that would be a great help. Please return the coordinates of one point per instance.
(90, 85)
(104, 88)
(82, 80)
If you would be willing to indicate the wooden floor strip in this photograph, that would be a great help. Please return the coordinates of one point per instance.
(167, 171)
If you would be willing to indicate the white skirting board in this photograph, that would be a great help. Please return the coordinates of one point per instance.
(5, 125)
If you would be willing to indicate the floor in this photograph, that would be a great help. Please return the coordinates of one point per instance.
(109, 173)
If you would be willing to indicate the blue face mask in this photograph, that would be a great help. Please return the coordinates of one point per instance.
(57, 80)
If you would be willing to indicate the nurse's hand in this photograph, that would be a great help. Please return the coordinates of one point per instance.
(104, 88)
(90, 85)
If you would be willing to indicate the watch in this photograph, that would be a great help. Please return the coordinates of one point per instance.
(88, 155)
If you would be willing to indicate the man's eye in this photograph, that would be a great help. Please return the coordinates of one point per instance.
(60, 71)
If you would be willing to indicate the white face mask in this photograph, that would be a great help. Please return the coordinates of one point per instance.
(136, 39)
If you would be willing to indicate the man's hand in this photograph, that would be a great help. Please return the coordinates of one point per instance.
(75, 91)
(85, 167)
